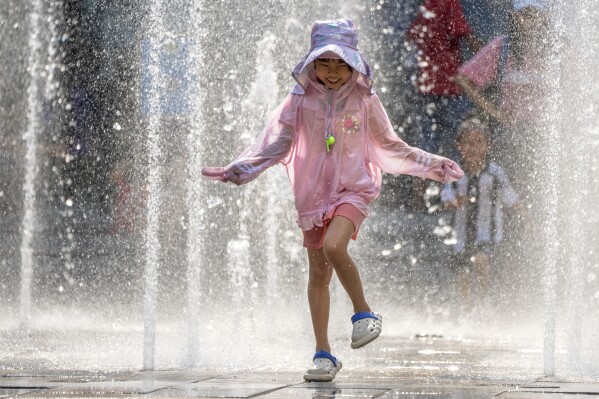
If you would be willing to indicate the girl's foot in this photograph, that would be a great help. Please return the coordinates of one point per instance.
(367, 328)
(325, 368)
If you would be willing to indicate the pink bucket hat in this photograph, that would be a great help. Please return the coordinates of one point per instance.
(337, 36)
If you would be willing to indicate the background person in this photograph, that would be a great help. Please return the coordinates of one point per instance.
(438, 32)
(507, 80)
(478, 199)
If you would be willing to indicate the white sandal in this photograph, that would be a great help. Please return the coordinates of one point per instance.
(325, 368)
(367, 328)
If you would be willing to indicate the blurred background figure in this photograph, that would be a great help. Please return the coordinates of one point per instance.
(506, 80)
(438, 32)
(478, 201)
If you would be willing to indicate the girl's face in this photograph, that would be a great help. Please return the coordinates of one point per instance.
(334, 73)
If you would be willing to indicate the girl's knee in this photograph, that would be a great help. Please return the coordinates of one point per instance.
(320, 277)
(320, 271)
(334, 249)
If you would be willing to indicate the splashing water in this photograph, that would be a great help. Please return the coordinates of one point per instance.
(239, 252)
(152, 248)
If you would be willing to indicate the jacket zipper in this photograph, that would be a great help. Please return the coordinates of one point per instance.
(327, 128)
(329, 154)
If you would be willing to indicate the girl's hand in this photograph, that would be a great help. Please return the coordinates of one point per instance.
(452, 171)
(445, 171)
(221, 174)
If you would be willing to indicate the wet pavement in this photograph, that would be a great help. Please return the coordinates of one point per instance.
(264, 384)
(394, 367)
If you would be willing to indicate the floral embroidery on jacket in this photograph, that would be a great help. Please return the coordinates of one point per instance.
(349, 123)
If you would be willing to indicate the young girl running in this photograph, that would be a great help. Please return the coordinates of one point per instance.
(334, 137)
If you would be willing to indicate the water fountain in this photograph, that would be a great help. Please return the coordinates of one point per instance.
(31, 167)
(578, 129)
(40, 25)
(154, 187)
(215, 256)
(194, 202)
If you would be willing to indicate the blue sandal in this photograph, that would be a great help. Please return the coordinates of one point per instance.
(325, 367)
(367, 328)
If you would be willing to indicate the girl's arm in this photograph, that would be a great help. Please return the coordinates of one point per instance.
(252, 162)
(479, 99)
(482, 71)
(507, 194)
(270, 147)
(393, 155)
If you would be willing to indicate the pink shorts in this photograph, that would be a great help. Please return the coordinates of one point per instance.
(314, 238)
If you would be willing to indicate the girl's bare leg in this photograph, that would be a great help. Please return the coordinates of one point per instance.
(336, 240)
(320, 274)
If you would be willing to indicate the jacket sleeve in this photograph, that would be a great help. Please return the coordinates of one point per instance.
(272, 146)
(390, 153)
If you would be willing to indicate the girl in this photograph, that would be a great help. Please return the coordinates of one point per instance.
(334, 137)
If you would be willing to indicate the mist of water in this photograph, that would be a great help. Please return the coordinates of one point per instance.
(28, 223)
(40, 68)
(152, 262)
(576, 120)
(241, 251)
(196, 222)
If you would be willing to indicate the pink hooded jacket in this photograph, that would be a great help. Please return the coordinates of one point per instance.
(365, 144)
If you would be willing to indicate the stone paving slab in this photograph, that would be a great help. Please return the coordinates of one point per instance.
(301, 392)
(10, 393)
(397, 367)
(273, 385)
(441, 392)
(215, 389)
(554, 388)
